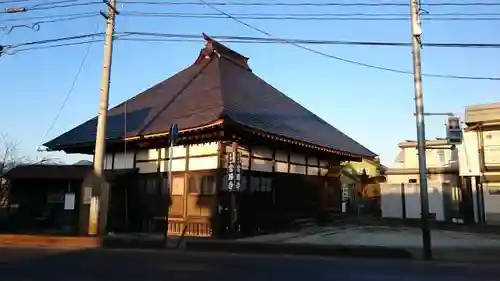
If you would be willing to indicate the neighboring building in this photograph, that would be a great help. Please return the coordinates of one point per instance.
(39, 198)
(400, 195)
(290, 158)
(480, 163)
(441, 158)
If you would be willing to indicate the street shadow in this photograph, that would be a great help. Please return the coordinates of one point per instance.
(98, 264)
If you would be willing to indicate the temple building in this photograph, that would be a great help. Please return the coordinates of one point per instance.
(287, 165)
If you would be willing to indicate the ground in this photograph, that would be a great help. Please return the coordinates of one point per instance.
(456, 245)
(97, 264)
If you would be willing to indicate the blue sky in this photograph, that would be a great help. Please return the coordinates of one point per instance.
(372, 106)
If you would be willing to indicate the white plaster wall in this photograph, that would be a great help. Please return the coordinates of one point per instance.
(124, 161)
(391, 201)
(203, 149)
(432, 156)
(108, 161)
(262, 165)
(147, 154)
(491, 204)
(405, 178)
(204, 157)
(468, 155)
(491, 148)
(312, 170)
(178, 165)
(281, 164)
(203, 163)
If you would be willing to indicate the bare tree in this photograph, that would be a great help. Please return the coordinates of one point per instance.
(10, 158)
(8, 152)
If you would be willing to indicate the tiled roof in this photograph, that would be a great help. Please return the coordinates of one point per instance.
(219, 85)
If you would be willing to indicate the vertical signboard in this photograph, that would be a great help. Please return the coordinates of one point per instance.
(234, 172)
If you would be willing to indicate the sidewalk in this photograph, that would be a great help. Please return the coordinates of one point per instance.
(345, 241)
(447, 245)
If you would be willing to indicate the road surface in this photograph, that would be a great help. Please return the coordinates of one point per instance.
(96, 265)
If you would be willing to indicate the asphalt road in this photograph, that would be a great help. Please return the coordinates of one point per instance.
(96, 265)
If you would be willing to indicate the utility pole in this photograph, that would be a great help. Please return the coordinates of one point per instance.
(419, 106)
(101, 210)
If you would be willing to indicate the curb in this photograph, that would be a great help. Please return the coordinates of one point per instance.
(299, 249)
(62, 242)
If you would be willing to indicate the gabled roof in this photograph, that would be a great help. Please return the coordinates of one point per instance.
(218, 86)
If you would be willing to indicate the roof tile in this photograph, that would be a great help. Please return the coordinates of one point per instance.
(218, 85)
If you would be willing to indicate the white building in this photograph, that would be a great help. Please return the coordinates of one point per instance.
(479, 157)
(400, 195)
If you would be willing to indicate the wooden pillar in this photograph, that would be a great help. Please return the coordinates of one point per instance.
(219, 180)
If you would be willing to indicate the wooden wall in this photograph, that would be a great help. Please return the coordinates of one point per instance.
(281, 181)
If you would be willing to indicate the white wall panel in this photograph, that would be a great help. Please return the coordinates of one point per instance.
(297, 169)
(124, 161)
(262, 165)
(178, 165)
(313, 171)
(323, 163)
(203, 149)
(147, 154)
(178, 151)
(281, 167)
(203, 163)
(108, 161)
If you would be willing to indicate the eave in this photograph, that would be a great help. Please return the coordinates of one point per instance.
(220, 123)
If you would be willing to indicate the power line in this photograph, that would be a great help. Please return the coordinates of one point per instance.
(71, 88)
(323, 4)
(314, 14)
(303, 18)
(12, 1)
(248, 39)
(160, 14)
(50, 17)
(11, 49)
(49, 6)
(36, 25)
(259, 40)
(340, 58)
(56, 40)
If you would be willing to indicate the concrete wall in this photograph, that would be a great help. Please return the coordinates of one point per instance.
(393, 205)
